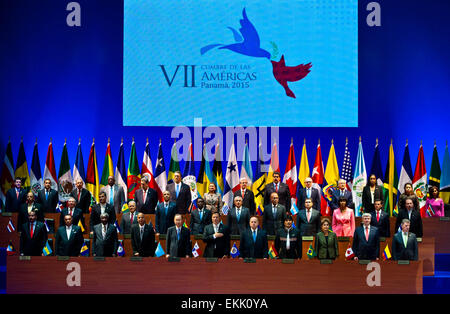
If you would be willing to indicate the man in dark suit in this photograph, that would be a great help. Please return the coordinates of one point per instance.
(282, 189)
(380, 219)
(69, 239)
(115, 195)
(180, 194)
(47, 197)
(254, 242)
(178, 241)
(129, 219)
(413, 216)
(308, 192)
(404, 244)
(274, 215)
(217, 238)
(146, 198)
(28, 206)
(308, 220)
(15, 197)
(105, 240)
(248, 198)
(81, 196)
(165, 213)
(288, 241)
(143, 238)
(33, 237)
(100, 208)
(238, 218)
(75, 212)
(200, 217)
(366, 240)
(341, 192)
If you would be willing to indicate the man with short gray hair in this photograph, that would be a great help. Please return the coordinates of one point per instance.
(341, 191)
(81, 196)
(146, 198)
(105, 241)
(366, 240)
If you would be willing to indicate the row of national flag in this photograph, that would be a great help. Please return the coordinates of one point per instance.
(324, 178)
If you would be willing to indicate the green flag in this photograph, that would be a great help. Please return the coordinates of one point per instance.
(390, 185)
(174, 163)
(134, 174)
(108, 168)
(435, 172)
(65, 181)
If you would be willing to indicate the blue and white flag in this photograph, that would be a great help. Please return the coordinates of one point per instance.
(359, 181)
(120, 250)
(116, 224)
(406, 173)
(246, 167)
(160, 170)
(294, 209)
(78, 167)
(234, 251)
(159, 250)
(231, 178)
(121, 174)
(35, 172)
(376, 168)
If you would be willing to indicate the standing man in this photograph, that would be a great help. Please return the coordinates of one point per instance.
(239, 217)
(129, 219)
(274, 215)
(101, 208)
(413, 215)
(47, 197)
(288, 241)
(146, 198)
(284, 194)
(165, 214)
(308, 219)
(15, 197)
(254, 241)
(115, 196)
(217, 238)
(248, 198)
(33, 237)
(178, 241)
(105, 241)
(27, 207)
(69, 239)
(142, 238)
(366, 240)
(308, 192)
(180, 194)
(404, 244)
(200, 217)
(341, 192)
(81, 196)
(380, 219)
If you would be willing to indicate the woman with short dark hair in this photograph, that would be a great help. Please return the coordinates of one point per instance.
(326, 242)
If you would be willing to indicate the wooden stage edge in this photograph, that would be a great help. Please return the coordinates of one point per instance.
(42, 275)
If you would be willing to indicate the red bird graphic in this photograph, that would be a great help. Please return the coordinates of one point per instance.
(284, 74)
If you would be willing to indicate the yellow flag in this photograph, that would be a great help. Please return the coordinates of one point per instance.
(81, 226)
(274, 164)
(332, 170)
(304, 166)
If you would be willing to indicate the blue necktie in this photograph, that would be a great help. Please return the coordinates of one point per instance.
(165, 206)
(178, 189)
(111, 196)
(254, 236)
(178, 234)
(46, 195)
(308, 193)
(201, 214)
(238, 214)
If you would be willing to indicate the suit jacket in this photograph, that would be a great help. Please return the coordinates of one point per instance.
(337, 195)
(12, 203)
(125, 224)
(218, 247)
(248, 200)
(270, 223)
(384, 226)
(322, 247)
(308, 228)
(71, 246)
(366, 249)
(118, 198)
(254, 249)
(367, 198)
(164, 221)
(48, 205)
(97, 211)
(32, 246)
(145, 247)
(416, 226)
(181, 247)
(148, 205)
(85, 199)
(23, 213)
(315, 196)
(295, 243)
(237, 227)
(400, 252)
(77, 215)
(183, 201)
(197, 224)
(284, 194)
(105, 246)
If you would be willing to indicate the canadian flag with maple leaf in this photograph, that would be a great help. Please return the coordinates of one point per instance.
(290, 175)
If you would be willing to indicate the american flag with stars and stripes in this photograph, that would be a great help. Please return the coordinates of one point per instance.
(346, 172)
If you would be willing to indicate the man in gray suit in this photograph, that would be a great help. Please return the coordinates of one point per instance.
(308, 219)
(115, 196)
(178, 242)
(105, 238)
(129, 219)
(274, 215)
(239, 218)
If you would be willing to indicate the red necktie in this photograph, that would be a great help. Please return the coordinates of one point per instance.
(131, 219)
(276, 187)
(79, 193)
(378, 216)
(17, 194)
(70, 212)
(31, 230)
(367, 234)
(243, 193)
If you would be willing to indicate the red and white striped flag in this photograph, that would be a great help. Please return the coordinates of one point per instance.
(10, 227)
(420, 182)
